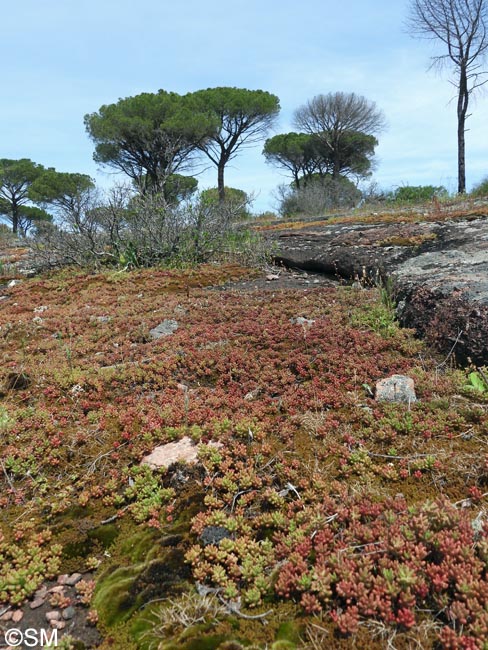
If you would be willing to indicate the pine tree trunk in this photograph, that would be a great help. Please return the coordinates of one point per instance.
(220, 181)
(15, 218)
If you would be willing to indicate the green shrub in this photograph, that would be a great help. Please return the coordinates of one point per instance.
(419, 193)
(481, 189)
(236, 200)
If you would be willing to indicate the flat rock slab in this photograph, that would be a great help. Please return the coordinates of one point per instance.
(183, 450)
(439, 270)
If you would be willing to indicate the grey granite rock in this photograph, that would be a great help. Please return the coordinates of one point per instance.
(165, 328)
(438, 271)
(397, 388)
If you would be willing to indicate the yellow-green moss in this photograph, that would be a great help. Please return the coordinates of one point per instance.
(408, 240)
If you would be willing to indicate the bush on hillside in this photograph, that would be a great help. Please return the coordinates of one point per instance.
(419, 193)
(318, 196)
(129, 231)
(237, 201)
(481, 189)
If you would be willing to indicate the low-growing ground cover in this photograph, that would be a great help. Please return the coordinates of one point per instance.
(445, 210)
(337, 520)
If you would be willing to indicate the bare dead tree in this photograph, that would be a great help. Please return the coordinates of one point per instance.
(461, 26)
(333, 116)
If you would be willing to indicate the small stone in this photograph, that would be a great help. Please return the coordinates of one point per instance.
(73, 579)
(54, 615)
(397, 388)
(58, 589)
(7, 616)
(17, 616)
(68, 613)
(165, 328)
(184, 450)
(57, 625)
(272, 276)
(305, 322)
(41, 592)
(252, 395)
(478, 523)
(214, 535)
(37, 602)
(62, 579)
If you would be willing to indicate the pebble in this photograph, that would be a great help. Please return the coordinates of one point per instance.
(73, 579)
(58, 625)
(7, 616)
(17, 616)
(62, 579)
(37, 602)
(69, 613)
(41, 592)
(249, 397)
(300, 320)
(55, 615)
(58, 589)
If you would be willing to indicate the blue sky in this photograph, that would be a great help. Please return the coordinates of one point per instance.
(65, 58)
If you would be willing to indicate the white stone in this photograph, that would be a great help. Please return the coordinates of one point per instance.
(397, 388)
(184, 450)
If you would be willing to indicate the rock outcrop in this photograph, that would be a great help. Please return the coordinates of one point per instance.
(438, 271)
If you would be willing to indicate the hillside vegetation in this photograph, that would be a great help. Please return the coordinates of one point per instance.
(337, 520)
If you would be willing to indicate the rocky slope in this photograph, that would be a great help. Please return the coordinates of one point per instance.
(436, 268)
